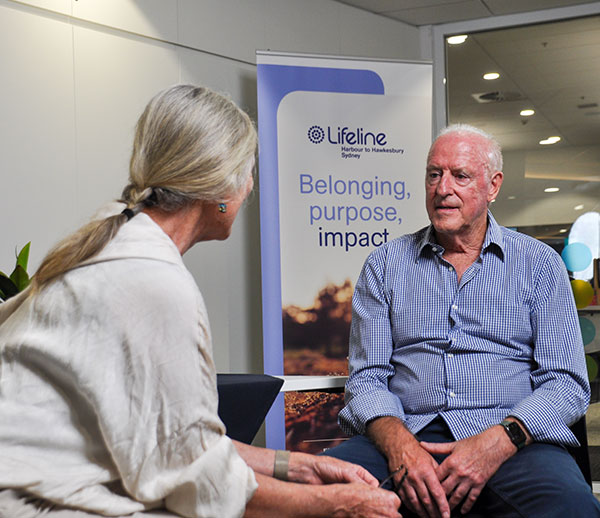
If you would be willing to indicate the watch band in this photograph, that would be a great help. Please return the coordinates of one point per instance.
(282, 462)
(515, 433)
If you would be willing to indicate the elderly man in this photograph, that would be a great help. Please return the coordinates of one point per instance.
(466, 358)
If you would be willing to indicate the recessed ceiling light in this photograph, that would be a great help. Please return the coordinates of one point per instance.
(562, 230)
(457, 40)
(512, 198)
(578, 207)
(551, 189)
(490, 76)
(549, 140)
(526, 113)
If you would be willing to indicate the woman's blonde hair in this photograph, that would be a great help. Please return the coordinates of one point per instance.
(190, 144)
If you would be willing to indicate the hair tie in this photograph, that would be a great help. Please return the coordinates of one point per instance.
(129, 213)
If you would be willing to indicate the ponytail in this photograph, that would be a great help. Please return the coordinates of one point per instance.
(89, 240)
(76, 248)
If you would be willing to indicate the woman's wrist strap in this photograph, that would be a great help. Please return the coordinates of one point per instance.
(282, 462)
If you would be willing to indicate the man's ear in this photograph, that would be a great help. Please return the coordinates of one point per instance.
(495, 184)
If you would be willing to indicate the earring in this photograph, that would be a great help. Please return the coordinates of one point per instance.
(222, 207)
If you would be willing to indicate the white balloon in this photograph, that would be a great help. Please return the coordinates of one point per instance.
(586, 230)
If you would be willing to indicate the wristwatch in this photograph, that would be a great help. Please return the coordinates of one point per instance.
(515, 433)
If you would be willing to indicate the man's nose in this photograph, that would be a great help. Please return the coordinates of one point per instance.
(446, 184)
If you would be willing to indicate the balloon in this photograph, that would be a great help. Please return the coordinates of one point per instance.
(588, 330)
(583, 293)
(592, 367)
(577, 256)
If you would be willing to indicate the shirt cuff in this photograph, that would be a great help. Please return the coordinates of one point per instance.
(361, 409)
(543, 422)
(218, 483)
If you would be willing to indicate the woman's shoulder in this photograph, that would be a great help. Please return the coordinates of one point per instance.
(146, 282)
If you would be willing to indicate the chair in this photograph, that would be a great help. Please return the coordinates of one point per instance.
(581, 454)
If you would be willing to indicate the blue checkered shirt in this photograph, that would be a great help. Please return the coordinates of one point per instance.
(504, 341)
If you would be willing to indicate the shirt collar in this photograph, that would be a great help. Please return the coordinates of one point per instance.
(494, 240)
(139, 238)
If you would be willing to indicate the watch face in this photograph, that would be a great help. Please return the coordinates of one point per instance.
(517, 436)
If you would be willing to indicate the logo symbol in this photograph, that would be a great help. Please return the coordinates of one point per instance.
(316, 134)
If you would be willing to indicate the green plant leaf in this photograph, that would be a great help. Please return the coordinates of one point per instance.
(20, 278)
(23, 257)
(8, 287)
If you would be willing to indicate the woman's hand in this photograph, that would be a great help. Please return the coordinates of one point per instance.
(305, 468)
(275, 498)
(362, 501)
(313, 469)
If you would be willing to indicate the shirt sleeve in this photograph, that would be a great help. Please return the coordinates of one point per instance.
(367, 394)
(149, 375)
(561, 389)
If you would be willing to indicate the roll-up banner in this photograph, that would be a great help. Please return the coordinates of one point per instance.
(342, 151)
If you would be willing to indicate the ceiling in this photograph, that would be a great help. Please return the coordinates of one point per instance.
(431, 12)
(553, 68)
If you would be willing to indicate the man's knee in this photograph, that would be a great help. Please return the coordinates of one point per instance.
(543, 480)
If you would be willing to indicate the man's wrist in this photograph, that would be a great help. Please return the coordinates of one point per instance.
(384, 428)
(390, 436)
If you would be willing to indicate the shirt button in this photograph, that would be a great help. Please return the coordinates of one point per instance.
(452, 393)
(450, 268)
(450, 355)
(454, 306)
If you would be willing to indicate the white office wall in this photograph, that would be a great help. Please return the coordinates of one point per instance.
(114, 76)
(37, 133)
(76, 74)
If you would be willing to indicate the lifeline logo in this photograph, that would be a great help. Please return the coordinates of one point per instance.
(352, 142)
(344, 135)
(316, 134)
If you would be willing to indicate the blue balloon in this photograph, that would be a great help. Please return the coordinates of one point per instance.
(588, 330)
(577, 257)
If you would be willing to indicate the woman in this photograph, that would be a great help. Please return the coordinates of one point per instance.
(108, 402)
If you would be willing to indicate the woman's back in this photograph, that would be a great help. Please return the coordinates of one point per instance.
(102, 372)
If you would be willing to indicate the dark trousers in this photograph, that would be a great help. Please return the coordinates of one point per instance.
(540, 481)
